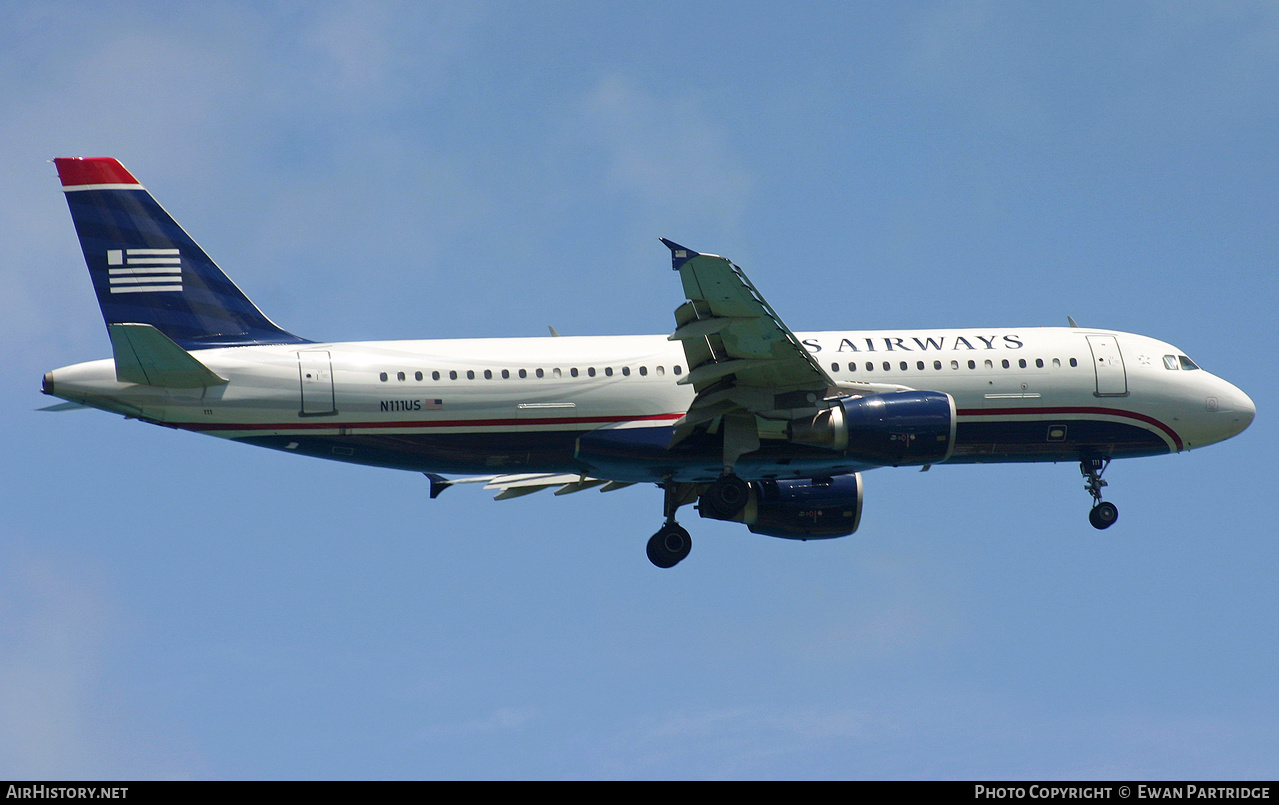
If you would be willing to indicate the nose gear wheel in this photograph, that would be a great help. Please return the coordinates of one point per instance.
(1103, 514)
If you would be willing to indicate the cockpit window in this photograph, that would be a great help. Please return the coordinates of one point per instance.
(1170, 362)
(1186, 363)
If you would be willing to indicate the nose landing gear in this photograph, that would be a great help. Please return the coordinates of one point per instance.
(1103, 514)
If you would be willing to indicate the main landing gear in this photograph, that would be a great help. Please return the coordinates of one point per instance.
(672, 543)
(726, 497)
(1103, 514)
(669, 545)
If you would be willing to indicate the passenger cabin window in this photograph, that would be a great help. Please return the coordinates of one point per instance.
(382, 377)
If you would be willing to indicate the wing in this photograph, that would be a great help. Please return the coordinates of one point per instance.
(728, 329)
(752, 374)
(514, 486)
(745, 364)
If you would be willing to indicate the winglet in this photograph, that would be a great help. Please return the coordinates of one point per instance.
(438, 484)
(679, 254)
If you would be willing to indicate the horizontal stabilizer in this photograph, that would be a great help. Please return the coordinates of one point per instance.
(145, 355)
(66, 406)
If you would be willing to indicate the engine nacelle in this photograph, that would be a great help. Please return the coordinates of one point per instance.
(801, 508)
(897, 429)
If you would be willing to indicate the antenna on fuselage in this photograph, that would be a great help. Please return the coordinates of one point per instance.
(1071, 319)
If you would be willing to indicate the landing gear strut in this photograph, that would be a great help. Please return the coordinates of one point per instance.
(1103, 514)
(671, 543)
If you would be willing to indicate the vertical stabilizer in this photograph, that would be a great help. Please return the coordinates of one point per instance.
(147, 270)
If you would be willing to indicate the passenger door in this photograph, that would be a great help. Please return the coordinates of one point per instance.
(315, 372)
(1108, 361)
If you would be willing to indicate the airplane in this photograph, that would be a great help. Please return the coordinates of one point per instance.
(732, 411)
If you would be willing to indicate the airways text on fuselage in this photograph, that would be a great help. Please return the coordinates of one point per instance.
(925, 344)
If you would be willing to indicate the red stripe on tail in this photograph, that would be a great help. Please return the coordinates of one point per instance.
(75, 171)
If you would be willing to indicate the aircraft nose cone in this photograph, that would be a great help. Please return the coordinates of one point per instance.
(1246, 409)
(1237, 411)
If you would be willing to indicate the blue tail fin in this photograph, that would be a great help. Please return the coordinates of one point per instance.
(147, 270)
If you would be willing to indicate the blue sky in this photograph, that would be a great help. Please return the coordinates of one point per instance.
(176, 606)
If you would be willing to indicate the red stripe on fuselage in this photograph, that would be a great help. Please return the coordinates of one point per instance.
(439, 423)
(1042, 413)
(508, 422)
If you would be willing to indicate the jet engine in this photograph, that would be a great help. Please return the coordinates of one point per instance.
(800, 508)
(898, 429)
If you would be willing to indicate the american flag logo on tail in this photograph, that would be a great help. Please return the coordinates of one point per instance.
(144, 270)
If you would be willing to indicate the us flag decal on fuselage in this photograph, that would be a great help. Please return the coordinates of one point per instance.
(144, 270)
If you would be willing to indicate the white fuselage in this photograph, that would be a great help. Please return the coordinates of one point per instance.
(520, 404)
